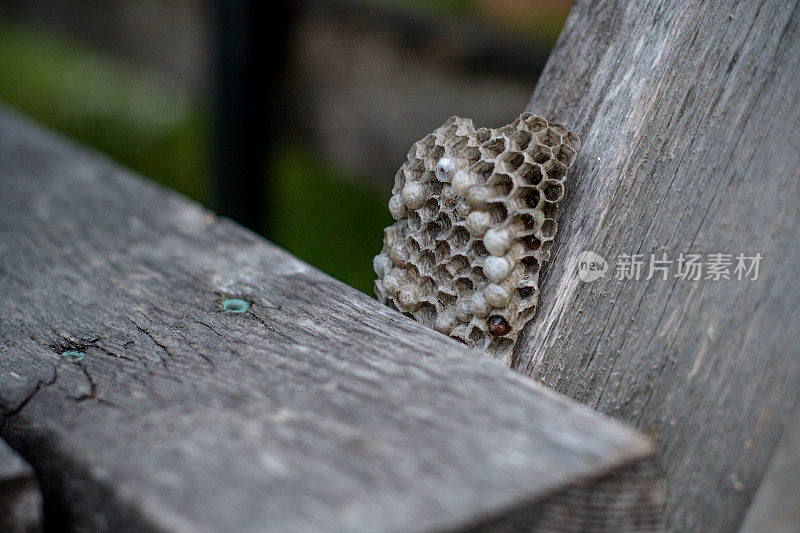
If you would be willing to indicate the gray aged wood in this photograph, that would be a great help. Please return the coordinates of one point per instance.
(689, 114)
(776, 505)
(318, 409)
(20, 499)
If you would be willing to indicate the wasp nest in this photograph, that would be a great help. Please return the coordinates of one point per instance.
(475, 213)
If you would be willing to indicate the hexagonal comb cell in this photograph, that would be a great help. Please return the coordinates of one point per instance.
(475, 219)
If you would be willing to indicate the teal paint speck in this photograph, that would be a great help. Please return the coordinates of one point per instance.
(235, 305)
(73, 355)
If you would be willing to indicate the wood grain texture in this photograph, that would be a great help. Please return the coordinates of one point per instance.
(318, 409)
(689, 114)
(776, 505)
(20, 498)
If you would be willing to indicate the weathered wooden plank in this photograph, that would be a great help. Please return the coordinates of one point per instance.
(776, 505)
(690, 117)
(317, 409)
(20, 499)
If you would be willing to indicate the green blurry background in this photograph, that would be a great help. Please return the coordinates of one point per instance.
(327, 208)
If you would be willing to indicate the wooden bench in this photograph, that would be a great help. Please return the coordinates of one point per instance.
(142, 404)
(318, 407)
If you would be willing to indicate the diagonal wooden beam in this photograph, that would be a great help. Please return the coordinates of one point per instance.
(689, 114)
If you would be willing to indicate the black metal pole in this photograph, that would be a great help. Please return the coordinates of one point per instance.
(240, 113)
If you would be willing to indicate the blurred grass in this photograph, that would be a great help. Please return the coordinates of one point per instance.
(324, 219)
(157, 129)
(535, 21)
(160, 130)
(140, 120)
